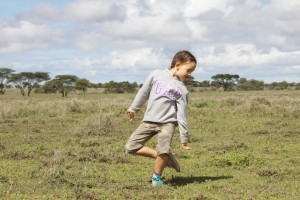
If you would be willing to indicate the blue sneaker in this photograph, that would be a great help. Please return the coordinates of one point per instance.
(156, 180)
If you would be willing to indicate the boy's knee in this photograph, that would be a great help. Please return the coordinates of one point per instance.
(130, 150)
(132, 147)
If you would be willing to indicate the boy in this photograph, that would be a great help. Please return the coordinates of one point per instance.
(167, 102)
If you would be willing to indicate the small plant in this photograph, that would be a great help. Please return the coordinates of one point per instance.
(230, 102)
(3, 179)
(95, 125)
(263, 101)
(201, 104)
(2, 147)
(234, 160)
(268, 173)
(204, 103)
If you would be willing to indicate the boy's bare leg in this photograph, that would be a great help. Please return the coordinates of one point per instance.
(160, 163)
(147, 152)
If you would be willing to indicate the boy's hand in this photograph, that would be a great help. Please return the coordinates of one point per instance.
(185, 146)
(131, 115)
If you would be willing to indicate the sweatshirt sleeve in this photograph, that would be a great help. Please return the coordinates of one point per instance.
(143, 94)
(182, 118)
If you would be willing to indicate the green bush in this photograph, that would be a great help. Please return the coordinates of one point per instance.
(234, 160)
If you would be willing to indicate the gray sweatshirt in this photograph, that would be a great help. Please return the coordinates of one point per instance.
(167, 100)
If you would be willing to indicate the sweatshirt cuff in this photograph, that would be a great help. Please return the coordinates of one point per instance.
(184, 139)
(133, 110)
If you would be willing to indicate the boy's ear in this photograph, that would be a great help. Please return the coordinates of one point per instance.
(177, 65)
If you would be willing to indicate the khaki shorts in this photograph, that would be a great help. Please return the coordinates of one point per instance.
(146, 131)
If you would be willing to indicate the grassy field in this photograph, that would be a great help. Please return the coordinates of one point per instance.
(245, 145)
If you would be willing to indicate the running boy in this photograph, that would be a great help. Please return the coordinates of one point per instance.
(167, 103)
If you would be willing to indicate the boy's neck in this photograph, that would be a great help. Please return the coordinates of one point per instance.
(173, 72)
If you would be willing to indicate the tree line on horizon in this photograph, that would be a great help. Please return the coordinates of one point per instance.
(42, 83)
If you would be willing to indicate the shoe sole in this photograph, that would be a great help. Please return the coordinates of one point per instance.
(174, 162)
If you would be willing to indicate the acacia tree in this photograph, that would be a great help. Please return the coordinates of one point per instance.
(82, 84)
(252, 84)
(205, 83)
(119, 87)
(4, 73)
(63, 83)
(27, 80)
(279, 85)
(35, 78)
(19, 81)
(192, 83)
(226, 80)
(48, 87)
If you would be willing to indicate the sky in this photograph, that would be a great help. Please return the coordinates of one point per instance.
(124, 40)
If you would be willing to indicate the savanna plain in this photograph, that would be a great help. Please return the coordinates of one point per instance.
(245, 145)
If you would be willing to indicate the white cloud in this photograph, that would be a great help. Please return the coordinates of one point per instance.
(25, 35)
(94, 10)
(153, 28)
(80, 11)
(142, 59)
(195, 7)
(198, 31)
(249, 56)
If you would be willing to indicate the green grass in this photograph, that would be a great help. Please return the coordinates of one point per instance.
(245, 145)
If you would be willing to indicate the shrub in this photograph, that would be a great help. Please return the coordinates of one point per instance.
(230, 102)
(95, 125)
(204, 103)
(234, 160)
(268, 172)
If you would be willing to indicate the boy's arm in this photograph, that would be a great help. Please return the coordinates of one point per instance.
(182, 121)
(141, 97)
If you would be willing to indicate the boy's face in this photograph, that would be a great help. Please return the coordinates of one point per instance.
(185, 70)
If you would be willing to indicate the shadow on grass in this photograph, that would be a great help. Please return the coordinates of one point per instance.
(181, 181)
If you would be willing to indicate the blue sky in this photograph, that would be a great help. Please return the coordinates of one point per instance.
(124, 40)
